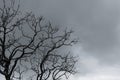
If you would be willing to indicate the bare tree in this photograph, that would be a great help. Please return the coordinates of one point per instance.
(30, 38)
(54, 67)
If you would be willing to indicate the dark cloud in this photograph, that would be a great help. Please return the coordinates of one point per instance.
(96, 20)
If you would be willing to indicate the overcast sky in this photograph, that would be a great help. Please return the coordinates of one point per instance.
(96, 23)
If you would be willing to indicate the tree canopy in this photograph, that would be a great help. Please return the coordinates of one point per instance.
(28, 43)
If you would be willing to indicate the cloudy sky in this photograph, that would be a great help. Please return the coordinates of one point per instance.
(96, 23)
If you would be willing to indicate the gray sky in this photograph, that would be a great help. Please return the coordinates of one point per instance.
(96, 23)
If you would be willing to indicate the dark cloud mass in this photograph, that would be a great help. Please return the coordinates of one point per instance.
(96, 19)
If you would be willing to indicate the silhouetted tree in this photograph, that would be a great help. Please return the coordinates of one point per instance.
(30, 39)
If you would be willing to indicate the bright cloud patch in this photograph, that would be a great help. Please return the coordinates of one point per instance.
(100, 73)
(95, 69)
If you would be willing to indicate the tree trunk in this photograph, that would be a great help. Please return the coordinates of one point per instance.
(7, 77)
